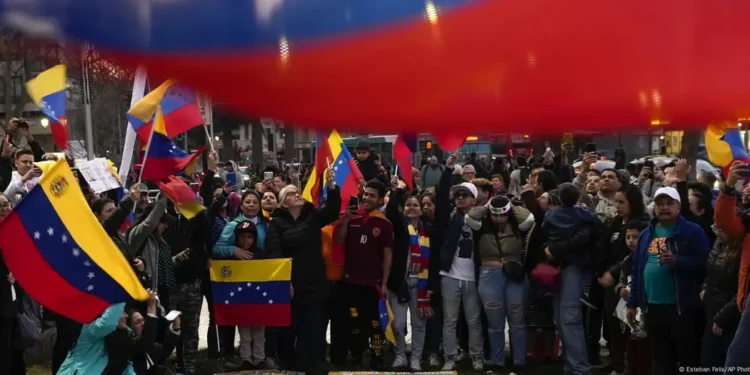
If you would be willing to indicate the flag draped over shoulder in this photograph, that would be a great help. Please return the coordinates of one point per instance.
(252, 292)
(403, 152)
(346, 171)
(179, 107)
(724, 145)
(48, 91)
(163, 158)
(182, 196)
(61, 255)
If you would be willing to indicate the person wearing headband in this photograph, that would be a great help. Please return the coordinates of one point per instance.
(502, 278)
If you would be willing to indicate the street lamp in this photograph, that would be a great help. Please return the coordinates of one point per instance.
(44, 122)
(216, 138)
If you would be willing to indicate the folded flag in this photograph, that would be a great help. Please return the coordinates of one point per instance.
(347, 173)
(323, 156)
(724, 145)
(48, 92)
(252, 292)
(61, 255)
(385, 316)
(182, 196)
(163, 158)
(403, 152)
(179, 106)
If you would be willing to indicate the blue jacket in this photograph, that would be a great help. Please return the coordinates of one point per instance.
(89, 355)
(224, 248)
(691, 245)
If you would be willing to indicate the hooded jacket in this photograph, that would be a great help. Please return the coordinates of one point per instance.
(144, 245)
(300, 239)
(89, 355)
(224, 247)
(720, 298)
(570, 232)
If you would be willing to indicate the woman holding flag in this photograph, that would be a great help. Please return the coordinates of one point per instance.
(409, 272)
(295, 232)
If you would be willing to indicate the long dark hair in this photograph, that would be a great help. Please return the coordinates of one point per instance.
(635, 199)
(500, 201)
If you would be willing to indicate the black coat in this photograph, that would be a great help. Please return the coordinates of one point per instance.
(147, 344)
(721, 284)
(7, 306)
(300, 239)
(401, 241)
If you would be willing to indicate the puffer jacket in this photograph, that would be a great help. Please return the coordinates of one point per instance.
(300, 239)
(728, 221)
(721, 286)
(224, 247)
(89, 355)
(502, 243)
(144, 245)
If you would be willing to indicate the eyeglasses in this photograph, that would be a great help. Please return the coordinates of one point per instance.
(462, 195)
(293, 194)
(4, 204)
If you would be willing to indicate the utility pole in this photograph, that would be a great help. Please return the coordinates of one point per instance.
(87, 102)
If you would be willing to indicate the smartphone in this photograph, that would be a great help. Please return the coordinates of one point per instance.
(267, 176)
(590, 147)
(649, 164)
(353, 201)
(172, 315)
(232, 179)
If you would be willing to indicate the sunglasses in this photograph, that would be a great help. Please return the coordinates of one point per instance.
(462, 195)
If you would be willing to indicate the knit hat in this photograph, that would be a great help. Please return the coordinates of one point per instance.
(234, 201)
(245, 227)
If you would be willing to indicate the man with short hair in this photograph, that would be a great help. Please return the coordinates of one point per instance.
(469, 172)
(431, 172)
(25, 177)
(668, 268)
(367, 237)
(592, 182)
(459, 267)
(279, 181)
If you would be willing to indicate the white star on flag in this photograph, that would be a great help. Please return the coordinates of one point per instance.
(270, 301)
(264, 294)
(64, 238)
(90, 275)
(249, 284)
(76, 252)
(90, 288)
(231, 294)
(87, 263)
(239, 288)
(37, 235)
(50, 231)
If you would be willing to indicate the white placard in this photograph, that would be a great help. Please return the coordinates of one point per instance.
(205, 106)
(98, 175)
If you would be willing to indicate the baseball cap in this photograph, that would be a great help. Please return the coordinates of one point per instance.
(467, 187)
(245, 227)
(668, 191)
(144, 188)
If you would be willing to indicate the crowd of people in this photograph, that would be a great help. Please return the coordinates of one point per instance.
(653, 265)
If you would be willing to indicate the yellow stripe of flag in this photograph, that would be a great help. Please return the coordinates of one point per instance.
(251, 270)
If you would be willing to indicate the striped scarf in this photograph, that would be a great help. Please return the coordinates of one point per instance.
(419, 249)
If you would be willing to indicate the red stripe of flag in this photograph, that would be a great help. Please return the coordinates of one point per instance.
(266, 315)
(40, 280)
(323, 156)
(403, 152)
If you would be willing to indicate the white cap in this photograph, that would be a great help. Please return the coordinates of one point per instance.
(466, 186)
(668, 191)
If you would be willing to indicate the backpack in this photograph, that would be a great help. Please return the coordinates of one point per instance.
(29, 322)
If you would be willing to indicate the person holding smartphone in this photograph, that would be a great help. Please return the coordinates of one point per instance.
(25, 177)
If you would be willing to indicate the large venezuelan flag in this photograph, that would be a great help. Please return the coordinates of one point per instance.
(346, 171)
(163, 158)
(61, 255)
(724, 145)
(317, 181)
(252, 292)
(48, 91)
(179, 107)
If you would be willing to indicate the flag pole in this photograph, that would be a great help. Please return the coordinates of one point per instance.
(210, 141)
(145, 154)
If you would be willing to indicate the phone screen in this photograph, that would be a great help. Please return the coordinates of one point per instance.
(267, 175)
(353, 201)
(590, 147)
(232, 179)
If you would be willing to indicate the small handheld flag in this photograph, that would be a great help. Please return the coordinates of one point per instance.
(48, 91)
